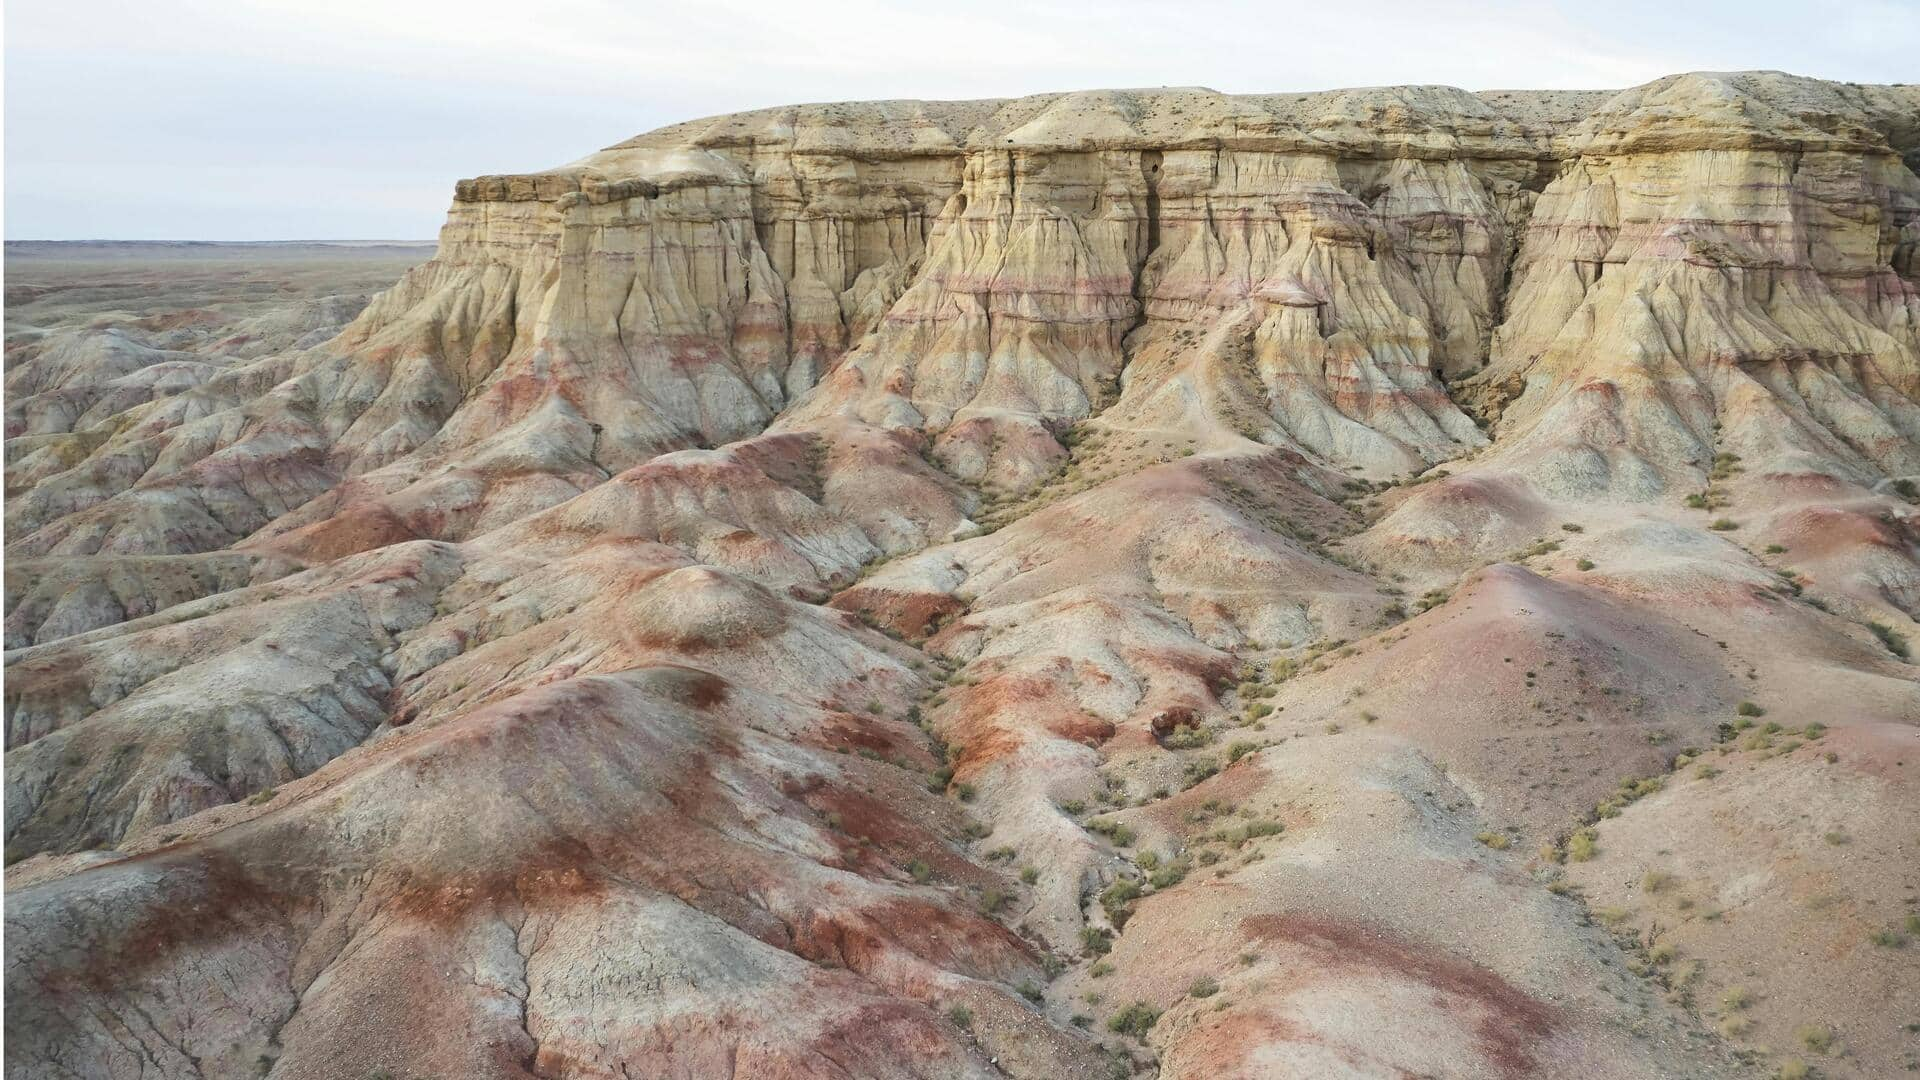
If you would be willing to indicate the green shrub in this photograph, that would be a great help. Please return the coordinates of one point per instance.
(1237, 835)
(1136, 1020)
(1115, 898)
(1169, 875)
(1815, 1037)
(1582, 846)
(961, 1017)
(1188, 738)
(1198, 770)
(1203, 987)
(1894, 640)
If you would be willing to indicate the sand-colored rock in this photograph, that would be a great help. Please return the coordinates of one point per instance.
(897, 589)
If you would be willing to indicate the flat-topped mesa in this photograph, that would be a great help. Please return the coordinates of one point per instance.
(1693, 111)
(729, 264)
(1057, 209)
(1383, 122)
(1305, 271)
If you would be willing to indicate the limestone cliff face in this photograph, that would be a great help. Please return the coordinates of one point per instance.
(1305, 267)
(1304, 270)
(1716, 271)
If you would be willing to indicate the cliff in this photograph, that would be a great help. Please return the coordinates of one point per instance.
(872, 589)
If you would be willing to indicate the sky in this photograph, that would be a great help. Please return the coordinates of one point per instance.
(351, 119)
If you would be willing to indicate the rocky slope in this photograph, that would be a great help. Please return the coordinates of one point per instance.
(1390, 582)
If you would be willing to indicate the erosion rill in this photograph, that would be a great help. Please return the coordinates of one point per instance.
(1381, 582)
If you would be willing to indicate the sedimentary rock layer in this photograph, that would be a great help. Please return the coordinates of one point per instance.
(1091, 584)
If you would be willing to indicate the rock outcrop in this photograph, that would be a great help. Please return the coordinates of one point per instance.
(1081, 585)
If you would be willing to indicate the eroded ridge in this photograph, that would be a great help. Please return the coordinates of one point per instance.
(1381, 582)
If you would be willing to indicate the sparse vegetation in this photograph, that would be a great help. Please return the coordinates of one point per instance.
(1136, 1020)
(1888, 939)
(1115, 898)
(1169, 875)
(1203, 987)
(1237, 836)
(1894, 640)
(1188, 738)
(1582, 846)
(1817, 1038)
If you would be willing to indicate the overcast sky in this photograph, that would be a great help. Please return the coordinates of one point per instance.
(351, 119)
